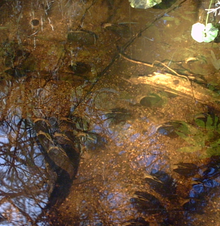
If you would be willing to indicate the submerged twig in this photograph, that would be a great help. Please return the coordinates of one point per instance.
(136, 61)
(152, 65)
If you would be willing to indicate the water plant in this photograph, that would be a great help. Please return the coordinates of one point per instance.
(204, 136)
(206, 32)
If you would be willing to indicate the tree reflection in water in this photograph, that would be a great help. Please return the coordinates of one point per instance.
(33, 179)
(66, 101)
(25, 180)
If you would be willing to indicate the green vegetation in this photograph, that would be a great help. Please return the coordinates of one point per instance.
(206, 32)
(203, 137)
(144, 4)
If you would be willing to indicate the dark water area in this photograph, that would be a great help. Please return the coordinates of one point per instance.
(109, 114)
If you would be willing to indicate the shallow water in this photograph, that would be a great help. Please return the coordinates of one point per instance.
(83, 145)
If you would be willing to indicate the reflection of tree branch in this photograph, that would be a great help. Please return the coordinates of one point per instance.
(7, 105)
(27, 192)
(12, 164)
(86, 10)
(3, 200)
(11, 195)
(22, 212)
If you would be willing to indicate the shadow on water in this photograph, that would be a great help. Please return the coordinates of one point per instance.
(174, 207)
(86, 136)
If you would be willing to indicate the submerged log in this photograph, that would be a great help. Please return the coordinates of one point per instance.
(180, 85)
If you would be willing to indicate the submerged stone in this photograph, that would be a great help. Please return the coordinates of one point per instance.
(121, 30)
(80, 37)
(144, 4)
(152, 100)
(171, 129)
(80, 68)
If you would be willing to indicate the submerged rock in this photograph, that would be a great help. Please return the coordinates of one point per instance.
(81, 37)
(144, 4)
(170, 129)
(152, 100)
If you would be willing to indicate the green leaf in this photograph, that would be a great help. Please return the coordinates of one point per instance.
(210, 33)
(200, 139)
(212, 152)
(200, 123)
(215, 143)
(204, 138)
(209, 122)
(215, 121)
(182, 135)
(189, 149)
(184, 128)
(202, 33)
